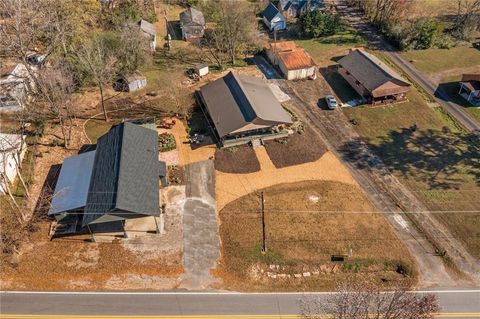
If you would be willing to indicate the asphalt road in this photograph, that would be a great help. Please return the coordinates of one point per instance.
(54, 305)
(455, 110)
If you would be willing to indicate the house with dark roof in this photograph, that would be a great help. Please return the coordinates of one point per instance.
(470, 88)
(292, 60)
(117, 181)
(296, 8)
(192, 24)
(371, 78)
(149, 31)
(273, 18)
(242, 109)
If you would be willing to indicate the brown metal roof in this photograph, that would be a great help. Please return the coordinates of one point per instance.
(373, 73)
(292, 56)
(238, 103)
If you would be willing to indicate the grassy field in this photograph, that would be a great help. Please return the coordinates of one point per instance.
(306, 224)
(438, 162)
(437, 60)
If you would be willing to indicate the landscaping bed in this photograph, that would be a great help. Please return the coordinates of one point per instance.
(176, 175)
(166, 142)
(305, 225)
(236, 160)
(295, 149)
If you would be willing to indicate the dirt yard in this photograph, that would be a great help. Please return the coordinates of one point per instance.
(296, 149)
(306, 224)
(237, 160)
(230, 187)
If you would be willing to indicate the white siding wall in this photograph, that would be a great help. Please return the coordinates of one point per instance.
(8, 164)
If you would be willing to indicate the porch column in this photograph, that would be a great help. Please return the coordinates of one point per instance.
(93, 240)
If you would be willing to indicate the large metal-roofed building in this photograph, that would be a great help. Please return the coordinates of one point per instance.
(371, 78)
(119, 180)
(243, 108)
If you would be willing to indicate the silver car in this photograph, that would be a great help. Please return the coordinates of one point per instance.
(331, 102)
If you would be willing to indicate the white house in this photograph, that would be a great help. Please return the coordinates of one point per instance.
(12, 151)
(273, 18)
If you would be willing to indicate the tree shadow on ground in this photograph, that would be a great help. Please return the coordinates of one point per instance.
(440, 159)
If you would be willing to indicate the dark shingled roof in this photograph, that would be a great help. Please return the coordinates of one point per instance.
(238, 103)
(270, 12)
(369, 70)
(192, 16)
(125, 174)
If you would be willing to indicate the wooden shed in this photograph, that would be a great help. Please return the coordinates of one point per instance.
(132, 82)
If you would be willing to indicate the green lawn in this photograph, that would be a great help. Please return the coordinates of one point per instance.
(438, 162)
(96, 128)
(437, 60)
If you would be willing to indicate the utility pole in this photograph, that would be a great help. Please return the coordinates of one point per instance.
(264, 236)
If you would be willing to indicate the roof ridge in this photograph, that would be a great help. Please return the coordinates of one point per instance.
(381, 65)
(245, 92)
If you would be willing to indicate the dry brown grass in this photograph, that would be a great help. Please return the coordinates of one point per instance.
(237, 160)
(303, 233)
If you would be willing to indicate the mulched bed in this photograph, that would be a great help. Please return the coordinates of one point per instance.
(298, 149)
(176, 175)
(237, 160)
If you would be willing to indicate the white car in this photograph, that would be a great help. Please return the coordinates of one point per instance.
(331, 102)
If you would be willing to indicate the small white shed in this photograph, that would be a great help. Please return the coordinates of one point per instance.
(201, 69)
(132, 82)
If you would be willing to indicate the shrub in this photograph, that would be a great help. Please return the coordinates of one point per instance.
(317, 24)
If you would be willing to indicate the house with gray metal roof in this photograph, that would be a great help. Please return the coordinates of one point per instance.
(119, 180)
(192, 24)
(273, 18)
(296, 8)
(371, 78)
(243, 108)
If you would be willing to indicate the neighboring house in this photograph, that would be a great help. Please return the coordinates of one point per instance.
(243, 109)
(12, 152)
(371, 78)
(119, 180)
(14, 89)
(296, 8)
(192, 24)
(149, 31)
(131, 82)
(293, 61)
(470, 88)
(273, 18)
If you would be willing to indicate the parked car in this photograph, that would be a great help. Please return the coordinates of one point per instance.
(331, 102)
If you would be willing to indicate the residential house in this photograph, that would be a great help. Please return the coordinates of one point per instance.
(131, 82)
(371, 78)
(150, 32)
(296, 8)
(117, 181)
(292, 60)
(470, 88)
(243, 109)
(12, 152)
(192, 24)
(14, 89)
(273, 18)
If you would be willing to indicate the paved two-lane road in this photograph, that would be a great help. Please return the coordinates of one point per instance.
(56, 305)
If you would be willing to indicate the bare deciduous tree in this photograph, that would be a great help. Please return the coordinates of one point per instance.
(100, 62)
(55, 85)
(366, 299)
(467, 13)
(234, 30)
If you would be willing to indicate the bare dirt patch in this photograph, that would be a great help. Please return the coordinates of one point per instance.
(237, 160)
(303, 234)
(295, 149)
(230, 187)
